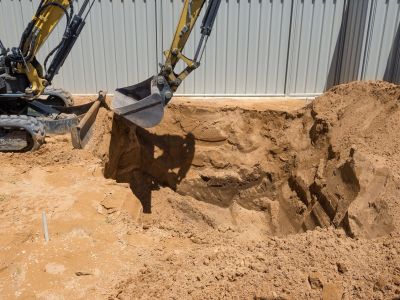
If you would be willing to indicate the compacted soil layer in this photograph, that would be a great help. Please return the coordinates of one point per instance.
(224, 199)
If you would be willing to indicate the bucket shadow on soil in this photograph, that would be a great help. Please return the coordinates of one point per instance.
(146, 160)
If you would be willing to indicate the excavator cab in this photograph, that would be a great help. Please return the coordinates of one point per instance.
(143, 103)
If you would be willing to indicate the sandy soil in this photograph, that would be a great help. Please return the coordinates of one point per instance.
(228, 200)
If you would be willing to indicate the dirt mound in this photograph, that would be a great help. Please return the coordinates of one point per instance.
(233, 189)
(325, 164)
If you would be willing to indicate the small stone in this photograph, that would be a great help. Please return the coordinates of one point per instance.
(342, 268)
(321, 169)
(396, 280)
(283, 158)
(83, 273)
(315, 280)
(380, 284)
(353, 150)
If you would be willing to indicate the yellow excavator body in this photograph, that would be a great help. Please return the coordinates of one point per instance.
(42, 26)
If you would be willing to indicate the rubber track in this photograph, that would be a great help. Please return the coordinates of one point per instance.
(60, 93)
(33, 126)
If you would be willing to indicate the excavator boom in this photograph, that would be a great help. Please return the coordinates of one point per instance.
(46, 18)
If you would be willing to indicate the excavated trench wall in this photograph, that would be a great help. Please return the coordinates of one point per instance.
(321, 165)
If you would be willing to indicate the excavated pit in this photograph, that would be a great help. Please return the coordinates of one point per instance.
(294, 168)
(227, 188)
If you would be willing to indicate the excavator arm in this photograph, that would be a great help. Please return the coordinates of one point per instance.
(38, 30)
(189, 16)
(143, 103)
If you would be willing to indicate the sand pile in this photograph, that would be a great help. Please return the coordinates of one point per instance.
(241, 200)
(328, 163)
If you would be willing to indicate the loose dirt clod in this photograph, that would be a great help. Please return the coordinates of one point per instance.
(247, 200)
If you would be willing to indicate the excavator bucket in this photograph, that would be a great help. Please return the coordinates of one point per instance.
(142, 103)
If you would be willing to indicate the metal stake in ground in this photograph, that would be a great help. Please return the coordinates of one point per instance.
(45, 228)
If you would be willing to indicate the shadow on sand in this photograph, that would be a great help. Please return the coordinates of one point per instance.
(146, 160)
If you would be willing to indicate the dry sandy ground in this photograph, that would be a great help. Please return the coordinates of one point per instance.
(244, 201)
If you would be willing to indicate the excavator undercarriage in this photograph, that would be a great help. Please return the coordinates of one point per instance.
(25, 125)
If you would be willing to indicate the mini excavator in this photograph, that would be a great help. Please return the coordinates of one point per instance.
(143, 104)
(29, 107)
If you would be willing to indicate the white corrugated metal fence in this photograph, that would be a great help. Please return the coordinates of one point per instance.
(258, 47)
